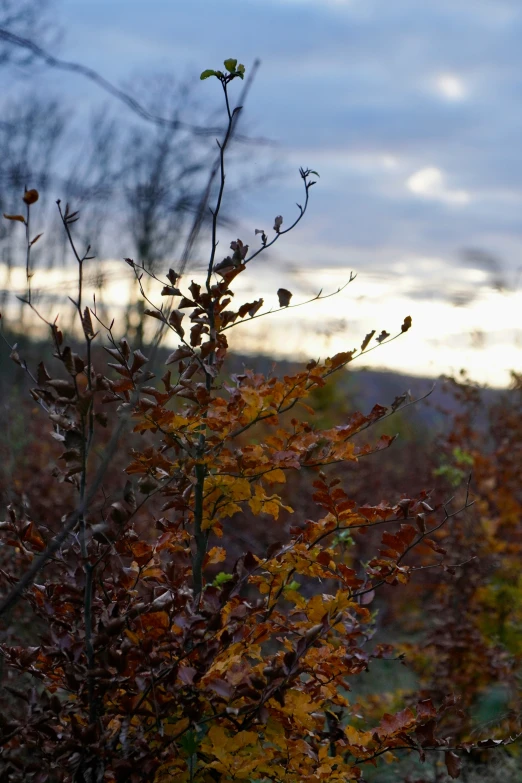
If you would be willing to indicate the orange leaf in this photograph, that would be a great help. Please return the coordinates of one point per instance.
(20, 218)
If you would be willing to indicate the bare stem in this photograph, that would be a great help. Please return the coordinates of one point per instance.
(28, 253)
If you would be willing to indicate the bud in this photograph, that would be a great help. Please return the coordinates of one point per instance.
(31, 196)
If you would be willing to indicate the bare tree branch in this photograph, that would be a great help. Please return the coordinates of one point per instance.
(100, 81)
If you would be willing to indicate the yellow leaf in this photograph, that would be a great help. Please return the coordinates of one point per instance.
(173, 729)
(20, 218)
(276, 476)
(299, 707)
(215, 555)
(154, 572)
(266, 504)
(241, 740)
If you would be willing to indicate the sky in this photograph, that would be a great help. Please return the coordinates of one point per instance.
(411, 113)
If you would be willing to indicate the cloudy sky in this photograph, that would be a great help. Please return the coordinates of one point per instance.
(410, 110)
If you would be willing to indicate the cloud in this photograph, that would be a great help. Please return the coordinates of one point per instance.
(410, 111)
(430, 183)
(450, 86)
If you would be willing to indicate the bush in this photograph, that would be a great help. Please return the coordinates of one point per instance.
(157, 657)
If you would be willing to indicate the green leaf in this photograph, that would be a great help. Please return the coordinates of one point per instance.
(230, 65)
(462, 457)
(206, 74)
(316, 174)
(221, 578)
(240, 68)
(189, 743)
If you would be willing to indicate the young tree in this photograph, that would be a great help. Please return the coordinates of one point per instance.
(152, 663)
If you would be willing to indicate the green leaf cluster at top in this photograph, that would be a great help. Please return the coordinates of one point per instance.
(233, 70)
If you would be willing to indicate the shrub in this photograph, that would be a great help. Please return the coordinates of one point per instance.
(159, 659)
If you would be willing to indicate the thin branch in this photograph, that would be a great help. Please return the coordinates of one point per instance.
(317, 298)
(305, 173)
(203, 203)
(100, 81)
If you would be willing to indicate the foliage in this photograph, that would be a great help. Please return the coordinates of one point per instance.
(475, 644)
(159, 659)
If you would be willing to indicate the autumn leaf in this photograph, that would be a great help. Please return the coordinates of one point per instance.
(453, 765)
(169, 290)
(406, 324)
(284, 297)
(215, 555)
(393, 724)
(31, 196)
(175, 319)
(367, 339)
(179, 354)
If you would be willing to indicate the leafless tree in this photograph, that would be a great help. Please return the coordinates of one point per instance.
(26, 19)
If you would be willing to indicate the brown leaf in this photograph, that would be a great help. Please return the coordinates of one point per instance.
(433, 545)
(250, 308)
(155, 314)
(341, 358)
(383, 335)
(284, 297)
(120, 368)
(452, 764)
(169, 290)
(63, 388)
(42, 376)
(179, 354)
(20, 218)
(141, 552)
(195, 290)
(33, 537)
(367, 339)
(138, 360)
(15, 356)
(31, 196)
(87, 323)
(186, 303)
(37, 237)
(175, 319)
(406, 324)
(392, 724)
(278, 222)
(195, 334)
(426, 710)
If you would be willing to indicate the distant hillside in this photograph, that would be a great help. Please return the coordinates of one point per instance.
(364, 388)
(361, 389)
